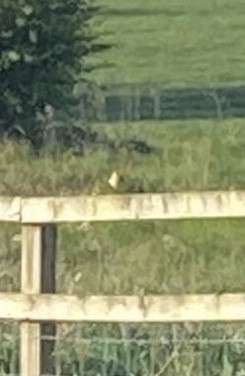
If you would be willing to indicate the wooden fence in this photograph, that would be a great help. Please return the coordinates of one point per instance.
(38, 308)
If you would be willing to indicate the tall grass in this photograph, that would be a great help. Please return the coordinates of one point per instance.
(155, 257)
(187, 254)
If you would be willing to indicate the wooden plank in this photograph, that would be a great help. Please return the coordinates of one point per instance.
(10, 209)
(220, 204)
(170, 308)
(30, 284)
(48, 285)
(134, 207)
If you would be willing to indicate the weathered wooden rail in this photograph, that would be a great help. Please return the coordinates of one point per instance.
(38, 308)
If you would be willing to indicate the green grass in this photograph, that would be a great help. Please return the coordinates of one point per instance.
(190, 42)
(122, 258)
(177, 43)
(200, 155)
(189, 155)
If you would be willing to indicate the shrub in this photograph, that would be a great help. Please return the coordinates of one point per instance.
(43, 45)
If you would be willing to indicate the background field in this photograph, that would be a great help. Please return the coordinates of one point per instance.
(172, 42)
(191, 43)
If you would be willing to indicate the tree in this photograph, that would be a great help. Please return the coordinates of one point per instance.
(43, 45)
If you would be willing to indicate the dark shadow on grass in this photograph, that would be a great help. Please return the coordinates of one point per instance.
(134, 12)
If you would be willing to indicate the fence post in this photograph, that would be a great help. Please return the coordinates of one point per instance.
(31, 254)
(37, 276)
(48, 286)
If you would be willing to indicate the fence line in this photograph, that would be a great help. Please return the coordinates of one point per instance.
(38, 308)
(199, 340)
(125, 207)
(135, 102)
(121, 309)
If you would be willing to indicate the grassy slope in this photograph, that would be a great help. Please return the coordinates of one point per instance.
(174, 42)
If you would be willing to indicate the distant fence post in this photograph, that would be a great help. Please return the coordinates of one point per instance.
(37, 276)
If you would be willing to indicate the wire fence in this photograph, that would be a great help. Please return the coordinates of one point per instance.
(130, 350)
(136, 102)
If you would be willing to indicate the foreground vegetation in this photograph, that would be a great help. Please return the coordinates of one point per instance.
(186, 156)
(176, 257)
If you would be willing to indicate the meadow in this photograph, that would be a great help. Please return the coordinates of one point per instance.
(190, 256)
(174, 43)
(176, 256)
(171, 42)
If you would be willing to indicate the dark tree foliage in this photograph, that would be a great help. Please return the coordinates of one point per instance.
(43, 46)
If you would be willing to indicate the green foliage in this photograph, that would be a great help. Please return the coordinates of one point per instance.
(43, 45)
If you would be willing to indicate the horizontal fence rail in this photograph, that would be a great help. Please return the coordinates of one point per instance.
(120, 309)
(165, 206)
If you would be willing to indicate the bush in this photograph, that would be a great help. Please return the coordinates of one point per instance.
(43, 45)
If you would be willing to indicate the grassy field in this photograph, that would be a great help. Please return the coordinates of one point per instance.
(181, 256)
(187, 254)
(172, 42)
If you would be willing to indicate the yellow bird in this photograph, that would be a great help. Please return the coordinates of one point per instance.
(114, 180)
